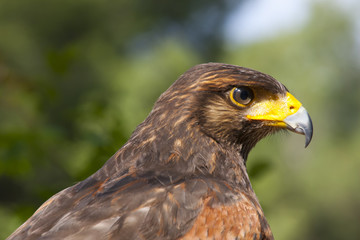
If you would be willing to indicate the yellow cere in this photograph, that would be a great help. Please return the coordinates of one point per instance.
(275, 110)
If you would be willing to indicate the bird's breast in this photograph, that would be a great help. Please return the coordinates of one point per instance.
(242, 219)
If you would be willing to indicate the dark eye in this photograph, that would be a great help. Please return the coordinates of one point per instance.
(241, 96)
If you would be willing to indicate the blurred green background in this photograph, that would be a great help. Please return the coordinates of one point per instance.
(76, 78)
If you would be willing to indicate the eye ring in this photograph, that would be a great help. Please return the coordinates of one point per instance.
(241, 96)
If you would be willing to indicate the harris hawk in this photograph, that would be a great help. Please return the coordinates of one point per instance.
(182, 174)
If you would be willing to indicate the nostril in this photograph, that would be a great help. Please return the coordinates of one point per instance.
(292, 107)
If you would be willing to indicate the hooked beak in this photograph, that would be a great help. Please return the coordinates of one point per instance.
(284, 112)
(300, 122)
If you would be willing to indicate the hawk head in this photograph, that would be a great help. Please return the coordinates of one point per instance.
(235, 106)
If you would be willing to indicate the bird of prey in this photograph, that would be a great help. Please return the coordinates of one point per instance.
(182, 174)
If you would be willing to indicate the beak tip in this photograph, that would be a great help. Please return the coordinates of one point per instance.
(307, 141)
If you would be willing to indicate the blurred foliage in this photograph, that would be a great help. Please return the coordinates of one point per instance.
(76, 78)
